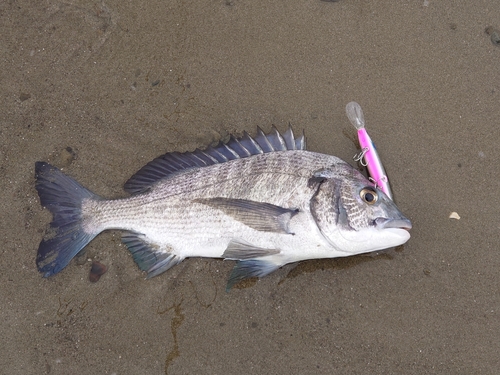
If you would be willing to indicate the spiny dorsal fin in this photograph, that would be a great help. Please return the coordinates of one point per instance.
(235, 148)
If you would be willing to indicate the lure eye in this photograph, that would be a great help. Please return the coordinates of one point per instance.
(368, 195)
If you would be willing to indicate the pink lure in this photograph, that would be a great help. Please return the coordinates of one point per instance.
(368, 151)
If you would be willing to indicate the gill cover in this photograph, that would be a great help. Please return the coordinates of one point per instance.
(352, 215)
(325, 205)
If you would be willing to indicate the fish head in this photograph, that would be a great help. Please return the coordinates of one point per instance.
(353, 215)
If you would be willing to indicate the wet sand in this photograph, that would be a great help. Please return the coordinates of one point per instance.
(101, 88)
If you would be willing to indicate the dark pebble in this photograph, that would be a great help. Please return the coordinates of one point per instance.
(494, 35)
(67, 156)
(495, 38)
(24, 97)
(96, 271)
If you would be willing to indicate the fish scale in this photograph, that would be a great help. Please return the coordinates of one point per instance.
(263, 201)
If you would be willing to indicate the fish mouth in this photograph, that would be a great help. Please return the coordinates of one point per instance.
(385, 223)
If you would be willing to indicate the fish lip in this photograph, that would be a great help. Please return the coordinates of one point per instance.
(384, 223)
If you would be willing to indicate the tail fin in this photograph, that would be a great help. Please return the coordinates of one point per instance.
(63, 196)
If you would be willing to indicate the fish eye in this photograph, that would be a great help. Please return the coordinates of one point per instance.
(368, 195)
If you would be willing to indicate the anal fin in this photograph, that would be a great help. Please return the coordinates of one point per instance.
(149, 258)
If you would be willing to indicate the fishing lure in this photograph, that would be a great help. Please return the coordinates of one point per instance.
(368, 150)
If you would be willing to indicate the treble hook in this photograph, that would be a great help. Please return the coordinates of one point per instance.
(376, 182)
(359, 157)
(373, 182)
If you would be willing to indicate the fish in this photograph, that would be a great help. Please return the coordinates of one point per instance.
(262, 201)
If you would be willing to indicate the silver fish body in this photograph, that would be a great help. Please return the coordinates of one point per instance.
(264, 202)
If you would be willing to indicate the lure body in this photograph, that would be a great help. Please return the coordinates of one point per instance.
(368, 150)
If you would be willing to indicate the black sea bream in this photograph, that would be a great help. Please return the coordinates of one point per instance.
(262, 201)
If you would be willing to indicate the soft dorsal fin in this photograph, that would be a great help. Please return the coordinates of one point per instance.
(235, 148)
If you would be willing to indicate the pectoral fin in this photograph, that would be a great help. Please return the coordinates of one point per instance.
(260, 216)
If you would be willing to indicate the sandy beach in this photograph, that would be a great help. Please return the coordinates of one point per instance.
(100, 88)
